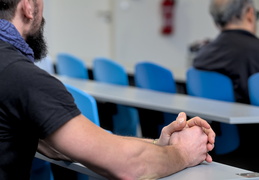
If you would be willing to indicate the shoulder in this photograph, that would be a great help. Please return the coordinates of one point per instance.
(240, 38)
(42, 97)
(23, 78)
(9, 55)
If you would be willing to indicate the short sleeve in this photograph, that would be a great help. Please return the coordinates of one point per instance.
(38, 98)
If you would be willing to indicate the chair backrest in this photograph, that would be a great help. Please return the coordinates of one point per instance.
(253, 89)
(125, 120)
(86, 103)
(46, 64)
(109, 71)
(152, 76)
(209, 84)
(214, 85)
(71, 66)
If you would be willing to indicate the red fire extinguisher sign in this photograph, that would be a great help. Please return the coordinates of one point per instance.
(167, 16)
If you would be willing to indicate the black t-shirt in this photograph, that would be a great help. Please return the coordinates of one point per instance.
(33, 104)
(234, 53)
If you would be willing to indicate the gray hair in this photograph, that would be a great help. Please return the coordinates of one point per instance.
(229, 11)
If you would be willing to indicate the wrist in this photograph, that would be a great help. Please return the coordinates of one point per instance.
(155, 141)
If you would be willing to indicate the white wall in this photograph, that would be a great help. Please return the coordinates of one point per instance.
(138, 37)
(82, 27)
(78, 27)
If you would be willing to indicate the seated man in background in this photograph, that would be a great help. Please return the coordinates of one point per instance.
(235, 53)
(36, 107)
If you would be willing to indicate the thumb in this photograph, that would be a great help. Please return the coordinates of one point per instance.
(175, 126)
(181, 121)
(178, 124)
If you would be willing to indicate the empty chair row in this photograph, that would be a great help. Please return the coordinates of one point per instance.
(72, 66)
(126, 120)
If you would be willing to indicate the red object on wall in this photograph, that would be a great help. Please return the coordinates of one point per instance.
(167, 16)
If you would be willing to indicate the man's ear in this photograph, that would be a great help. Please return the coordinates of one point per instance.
(27, 8)
(251, 14)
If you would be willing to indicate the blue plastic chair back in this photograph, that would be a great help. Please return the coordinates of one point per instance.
(152, 76)
(126, 120)
(71, 66)
(85, 103)
(109, 71)
(253, 89)
(88, 107)
(214, 85)
(149, 75)
(209, 84)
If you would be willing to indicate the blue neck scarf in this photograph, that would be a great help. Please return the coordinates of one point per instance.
(9, 33)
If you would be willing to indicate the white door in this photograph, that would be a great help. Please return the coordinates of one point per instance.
(80, 27)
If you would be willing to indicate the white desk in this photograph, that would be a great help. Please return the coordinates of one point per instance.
(212, 171)
(232, 113)
(205, 171)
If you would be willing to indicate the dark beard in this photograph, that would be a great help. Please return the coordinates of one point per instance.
(37, 43)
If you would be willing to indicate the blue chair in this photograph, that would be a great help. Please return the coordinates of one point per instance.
(126, 120)
(85, 103)
(71, 66)
(41, 170)
(214, 85)
(253, 89)
(149, 75)
(153, 76)
(88, 107)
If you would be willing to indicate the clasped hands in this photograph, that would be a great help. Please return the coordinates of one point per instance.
(194, 137)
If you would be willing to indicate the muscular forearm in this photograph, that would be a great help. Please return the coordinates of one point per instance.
(118, 157)
(148, 161)
(136, 159)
